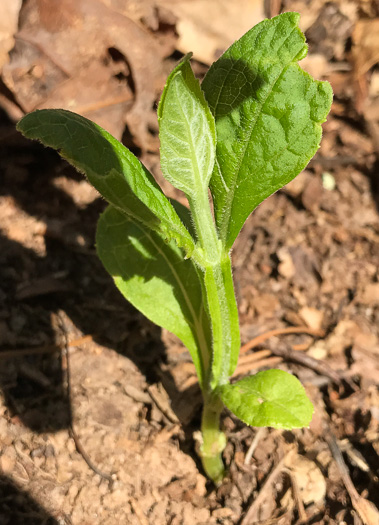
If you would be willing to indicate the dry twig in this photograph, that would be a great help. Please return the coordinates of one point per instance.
(160, 398)
(250, 514)
(138, 512)
(246, 368)
(366, 510)
(253, 343)
(78, 445)
(285, 351)
(46, 349)
(258, 436)
(297, 497)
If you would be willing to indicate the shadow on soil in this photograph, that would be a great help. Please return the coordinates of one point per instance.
(68, 278)
(18, 508)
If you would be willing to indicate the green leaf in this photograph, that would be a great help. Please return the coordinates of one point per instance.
(268, 114)
(186, 132)
(153, 275)
(272, 398)
(110, 167)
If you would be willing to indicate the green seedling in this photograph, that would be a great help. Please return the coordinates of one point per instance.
(249, 129)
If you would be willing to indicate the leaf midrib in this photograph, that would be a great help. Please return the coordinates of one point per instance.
(230, 194)
(257, 394)
(193, 159)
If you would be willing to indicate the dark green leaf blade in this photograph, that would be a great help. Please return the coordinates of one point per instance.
(186, 131)
(153, 275)
(110, 167)
(268, 114)
(272, 398)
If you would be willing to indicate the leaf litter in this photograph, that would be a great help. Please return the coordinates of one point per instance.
(327, 238)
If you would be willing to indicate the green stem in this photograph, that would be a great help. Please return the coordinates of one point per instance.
(223, 313)
(219, 289)
(220, 320)
(213, 441)
(205, 227)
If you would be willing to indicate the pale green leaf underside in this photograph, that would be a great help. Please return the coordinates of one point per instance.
(272, 398)
(268, 114)
(153, 275)
(112, 169)
(186, 132)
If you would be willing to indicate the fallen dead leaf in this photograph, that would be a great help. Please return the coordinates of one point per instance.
(312, 194)
(370, 295)
(266, 304)
(208, 27)
(374, 85)
(81, 192)
(8, 26)
(308, 16)
(316, 65)
(309, 478)
(7, 462)
(90, 59)
(297, 185)
(318, 350)
(365, 54)
(312, 317)
(286, 267)
(366, 510)
(365, 45)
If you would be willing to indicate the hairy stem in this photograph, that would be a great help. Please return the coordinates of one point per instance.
(219, 289)
(213, 441)
(223, 314)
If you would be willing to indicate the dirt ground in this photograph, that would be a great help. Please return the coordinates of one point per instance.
(98, 407)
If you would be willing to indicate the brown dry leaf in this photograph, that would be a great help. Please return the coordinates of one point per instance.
(296, 187)
(367, 511)
(7, 461)
(266, 304)
(311, 482)
(344, 335)
(308, 16)
(87, 58)
(8, 26)
(312, 194)
(365, 45)
(370, 295)
(151, 15)
(374, 85)
(81, 192)
(366, 365)
(286, 268)
(306, 266)
(135, 10)
(312, 317)
(208, 27)
(316, 65)
(365, 54)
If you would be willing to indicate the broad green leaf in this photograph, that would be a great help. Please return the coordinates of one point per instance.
(272, 398)
(186, 132)
(268, 114)
(153, 275)
(110, 167)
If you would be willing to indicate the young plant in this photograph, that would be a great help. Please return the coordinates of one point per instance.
(250, 128)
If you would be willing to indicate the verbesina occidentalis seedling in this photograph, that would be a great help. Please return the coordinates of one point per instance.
(249, 129)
